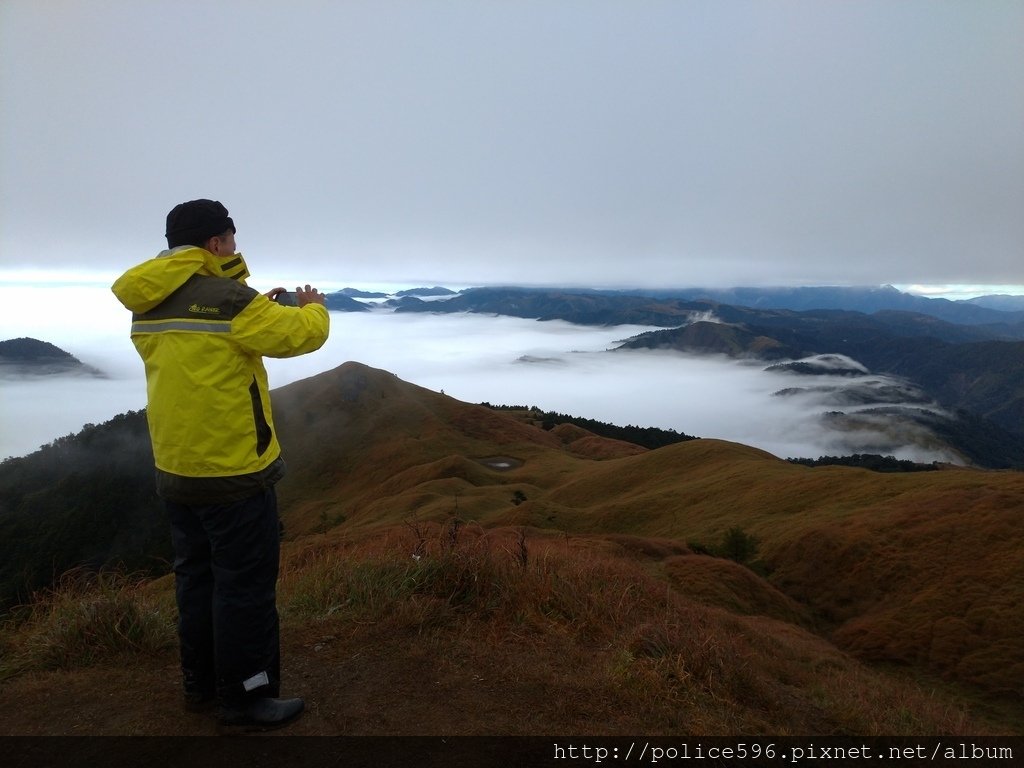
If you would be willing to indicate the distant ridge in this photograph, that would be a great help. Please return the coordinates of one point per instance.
(437, 290)
(1000, 302)
(356, 293)
(28, 350)
(992, 310)
(341, 302)
(32, 357)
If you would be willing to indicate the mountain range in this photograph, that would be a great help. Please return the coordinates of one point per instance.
(548, 303)
(544, 576)
(970, 369)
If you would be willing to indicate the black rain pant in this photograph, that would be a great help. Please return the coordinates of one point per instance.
(226, 559)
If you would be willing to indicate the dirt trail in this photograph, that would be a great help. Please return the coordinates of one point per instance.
(361, 686)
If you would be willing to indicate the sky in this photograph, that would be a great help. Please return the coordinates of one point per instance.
(651, 143)
(554, 365)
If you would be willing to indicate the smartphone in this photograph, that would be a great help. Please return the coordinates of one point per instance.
(288, 299)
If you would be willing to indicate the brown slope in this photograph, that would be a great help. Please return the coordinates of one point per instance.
(915, 568)
(366, 447)
(920, 568)
(587, 445)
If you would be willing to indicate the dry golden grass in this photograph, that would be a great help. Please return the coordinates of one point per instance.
(675, 664)
(569, 571)
(583, 615)
(723, 583)
(921, 569)
(87, 618)
(580, 616)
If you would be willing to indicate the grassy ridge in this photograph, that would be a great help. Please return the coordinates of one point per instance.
(918, 570)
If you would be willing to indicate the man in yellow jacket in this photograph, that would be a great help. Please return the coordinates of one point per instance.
(202, 334)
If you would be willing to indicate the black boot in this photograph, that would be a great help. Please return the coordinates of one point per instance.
(261, 713)
(200, 695)
(199, 701)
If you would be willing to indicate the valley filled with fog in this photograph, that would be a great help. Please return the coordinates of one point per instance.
(554, 365)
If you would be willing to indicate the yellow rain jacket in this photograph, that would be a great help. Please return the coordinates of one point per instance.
(202, 334)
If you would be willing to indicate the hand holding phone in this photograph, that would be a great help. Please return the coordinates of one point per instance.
(287, 298)
(297, 298)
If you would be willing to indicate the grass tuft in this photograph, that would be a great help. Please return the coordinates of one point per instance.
(87, 618)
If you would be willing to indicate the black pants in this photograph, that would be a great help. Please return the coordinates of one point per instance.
(226, 559)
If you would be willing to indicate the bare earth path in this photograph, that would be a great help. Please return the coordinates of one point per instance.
(363, 685)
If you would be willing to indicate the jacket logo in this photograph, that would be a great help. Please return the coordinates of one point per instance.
(199, 309)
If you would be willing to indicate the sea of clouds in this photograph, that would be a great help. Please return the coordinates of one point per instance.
(554, 365)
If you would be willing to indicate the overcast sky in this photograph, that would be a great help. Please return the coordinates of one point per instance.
(691, 142)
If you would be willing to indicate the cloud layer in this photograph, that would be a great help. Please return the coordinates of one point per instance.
(503, 360)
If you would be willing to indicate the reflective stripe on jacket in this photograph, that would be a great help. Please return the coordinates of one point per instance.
(202, 334)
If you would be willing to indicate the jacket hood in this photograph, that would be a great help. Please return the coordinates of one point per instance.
(146, 285)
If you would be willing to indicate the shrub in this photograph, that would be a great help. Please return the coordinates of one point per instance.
(739, 546)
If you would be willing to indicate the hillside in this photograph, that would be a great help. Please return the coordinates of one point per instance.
(860, 549)
(32, 357)
(449, 567)
(83, 500)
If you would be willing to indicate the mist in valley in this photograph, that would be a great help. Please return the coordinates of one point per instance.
(554, 365)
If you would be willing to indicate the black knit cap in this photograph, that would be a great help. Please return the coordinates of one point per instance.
(195, 222)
